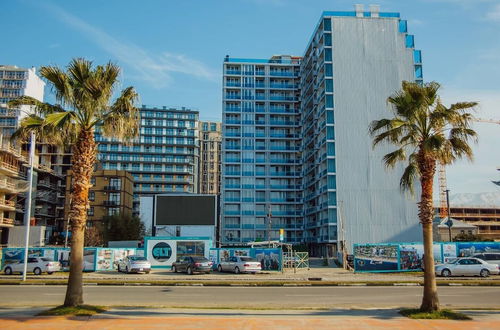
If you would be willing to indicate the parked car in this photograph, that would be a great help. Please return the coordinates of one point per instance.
(36, 265)
(192, 265)
(466, 267)
(240, 264)
(489, 257)
(134, 264)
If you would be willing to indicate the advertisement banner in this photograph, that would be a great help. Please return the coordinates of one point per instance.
(104, 259)
(376, 257)
(469, 249)
(270, 259)
(449, 252)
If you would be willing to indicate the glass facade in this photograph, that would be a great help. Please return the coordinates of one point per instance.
(164, 159)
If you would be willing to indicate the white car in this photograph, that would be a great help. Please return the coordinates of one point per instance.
(466, 267)
(240, 265)
(36, 265)
(134, 264)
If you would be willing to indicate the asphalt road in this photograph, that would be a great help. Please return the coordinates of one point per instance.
(278, 297)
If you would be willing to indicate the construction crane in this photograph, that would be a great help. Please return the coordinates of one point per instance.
(443, 210)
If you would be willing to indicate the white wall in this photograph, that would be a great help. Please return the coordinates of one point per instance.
(187, 231)
(370, 60)
(17, 236)
(146, 213)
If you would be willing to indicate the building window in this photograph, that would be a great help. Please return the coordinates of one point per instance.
(91, 196)
(113, 210)
(90, 211)
(115, 182)
(92, 181)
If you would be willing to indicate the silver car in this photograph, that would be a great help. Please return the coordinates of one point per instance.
(134, 264)
(466, 267)
(240, 265)
(36, 265)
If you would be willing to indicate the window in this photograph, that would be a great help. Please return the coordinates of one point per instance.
(115, 182)
(91, 196)
(90, 211)
(92, 181)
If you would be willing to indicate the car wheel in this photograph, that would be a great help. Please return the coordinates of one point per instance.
(119, 270)
(219, 269)
(8, 271)
(189, 271)
(484, 273)
(37, 271)
(207, 272)
(446, 273)
(147, 271)
(236, 270)
(50, 273)
(174, 269)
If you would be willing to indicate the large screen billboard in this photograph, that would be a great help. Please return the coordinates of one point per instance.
(185, 210)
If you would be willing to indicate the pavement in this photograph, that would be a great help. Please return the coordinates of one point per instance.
(252, 297)
(146, 318)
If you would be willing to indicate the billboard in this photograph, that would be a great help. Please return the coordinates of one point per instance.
(185, 210)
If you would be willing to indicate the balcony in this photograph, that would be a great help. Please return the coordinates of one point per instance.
(282, 74)
(233, 97)
(233, 109)
(7, 205)
(13, 186)
(233, 84)
(111, 203)
(116, 188)
(233, 72)
(9, 169)
(6, 222)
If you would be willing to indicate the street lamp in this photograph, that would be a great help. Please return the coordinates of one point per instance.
(27, 215)
(450, 222)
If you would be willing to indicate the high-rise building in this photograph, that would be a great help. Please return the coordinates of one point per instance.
(296, 150)
(164, 159)
(261, 150)
(14, 83)
(210, 153)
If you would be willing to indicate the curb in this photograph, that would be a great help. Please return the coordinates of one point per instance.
(255, 283)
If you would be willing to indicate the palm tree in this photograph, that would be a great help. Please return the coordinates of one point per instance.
(425, 132)
(83, 94)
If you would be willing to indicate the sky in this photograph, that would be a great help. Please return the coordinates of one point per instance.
(172, 51)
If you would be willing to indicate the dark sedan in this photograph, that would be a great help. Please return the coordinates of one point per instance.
(192, 265)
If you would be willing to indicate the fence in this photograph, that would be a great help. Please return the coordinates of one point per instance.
(95, 259)
(270, 259)
(403, 257)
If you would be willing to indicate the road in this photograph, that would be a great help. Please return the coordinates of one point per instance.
(277, 297)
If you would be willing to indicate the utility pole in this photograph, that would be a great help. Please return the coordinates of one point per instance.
(67, 226)
(450, 222)
(27, 216)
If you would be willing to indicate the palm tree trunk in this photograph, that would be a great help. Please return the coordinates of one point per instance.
(83, 160)
(427, 166)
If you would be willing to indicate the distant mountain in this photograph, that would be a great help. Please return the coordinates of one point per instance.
(491, 199)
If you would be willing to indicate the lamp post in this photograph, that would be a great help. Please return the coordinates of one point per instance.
(450, 222)
(27, 216)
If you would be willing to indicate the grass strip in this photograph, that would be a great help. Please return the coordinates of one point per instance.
(82, 310)
(443, 314)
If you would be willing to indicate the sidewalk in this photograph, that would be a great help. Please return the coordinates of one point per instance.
(138, 318)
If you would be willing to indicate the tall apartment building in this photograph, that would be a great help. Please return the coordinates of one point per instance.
(165, 157)
(16, 82)
(296, 146)
(12, 184)
(111, 193)
(210, 153)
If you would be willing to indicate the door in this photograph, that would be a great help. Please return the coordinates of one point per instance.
(32, 263)
(461, 267)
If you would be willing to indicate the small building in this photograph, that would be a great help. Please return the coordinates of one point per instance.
(111, 193)
(210, 161)
(458, 227)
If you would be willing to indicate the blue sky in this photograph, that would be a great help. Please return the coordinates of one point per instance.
(172, 51)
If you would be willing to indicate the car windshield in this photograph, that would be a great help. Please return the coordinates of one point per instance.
(247, 259)
(134, 258)
(200, 259)
(46, 259)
